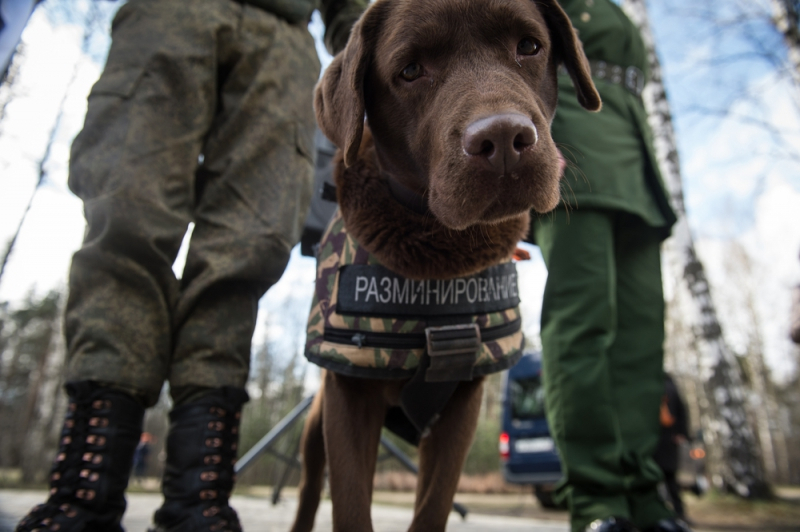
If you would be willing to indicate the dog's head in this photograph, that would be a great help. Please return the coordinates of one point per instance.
(459, 96)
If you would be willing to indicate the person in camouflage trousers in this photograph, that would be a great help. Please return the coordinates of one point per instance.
(203, 114)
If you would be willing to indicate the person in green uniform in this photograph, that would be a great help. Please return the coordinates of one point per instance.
(603, 311)
(203, 114)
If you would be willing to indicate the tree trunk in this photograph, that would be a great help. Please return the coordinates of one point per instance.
(764, 406)
(726, 425)
(8, 84)
(46, 406)
(15, 18)
(785, 19)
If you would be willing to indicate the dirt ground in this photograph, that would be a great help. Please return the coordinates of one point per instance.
(489, 494)
(729, 513)
(711, 513)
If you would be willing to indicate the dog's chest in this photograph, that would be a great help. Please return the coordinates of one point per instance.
(370, 322)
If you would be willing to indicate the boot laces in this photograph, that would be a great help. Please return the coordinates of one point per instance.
(80, 448)
(219, 456)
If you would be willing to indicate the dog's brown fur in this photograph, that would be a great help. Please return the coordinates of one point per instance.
(471, 68)
(416, 245)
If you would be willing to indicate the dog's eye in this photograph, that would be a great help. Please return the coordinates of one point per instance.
(411, 72)
(528, 46)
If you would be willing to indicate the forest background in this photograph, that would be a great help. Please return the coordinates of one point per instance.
(732, 81)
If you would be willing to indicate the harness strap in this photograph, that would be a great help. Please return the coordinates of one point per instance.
(452, 350)
(386, 340)
(422, 399)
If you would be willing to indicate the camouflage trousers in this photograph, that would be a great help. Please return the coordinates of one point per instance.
(203, 114)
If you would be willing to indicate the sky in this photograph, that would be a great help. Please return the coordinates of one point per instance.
(738, 185)
(741, 181)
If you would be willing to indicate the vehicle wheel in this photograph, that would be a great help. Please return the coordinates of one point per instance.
(544, 494)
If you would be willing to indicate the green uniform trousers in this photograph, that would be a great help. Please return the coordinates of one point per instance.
(602, 335)
(203, 114)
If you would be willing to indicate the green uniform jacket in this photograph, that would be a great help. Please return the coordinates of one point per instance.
(338, 16)
(613, 149)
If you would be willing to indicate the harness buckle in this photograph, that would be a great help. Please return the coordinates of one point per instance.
(452, 350)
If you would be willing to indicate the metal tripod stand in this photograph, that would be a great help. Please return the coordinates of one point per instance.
(267, 443)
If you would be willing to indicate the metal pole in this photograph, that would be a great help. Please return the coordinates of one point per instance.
(284, 424)
(276, 492)
(395, 451)
(267, 441)
(411, 466)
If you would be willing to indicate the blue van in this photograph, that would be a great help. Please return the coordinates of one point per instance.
(528, 452)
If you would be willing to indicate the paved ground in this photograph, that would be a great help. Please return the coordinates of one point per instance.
(258, 515)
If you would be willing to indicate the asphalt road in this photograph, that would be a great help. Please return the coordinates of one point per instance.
(258, 515)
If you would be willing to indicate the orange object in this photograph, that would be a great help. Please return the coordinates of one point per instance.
(697, 454)
(666, 417)
(521, 254)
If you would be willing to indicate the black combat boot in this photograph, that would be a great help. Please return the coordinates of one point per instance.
(91, 469)
(201, 453)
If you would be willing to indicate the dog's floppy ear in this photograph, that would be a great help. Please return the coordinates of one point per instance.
(339, 99)
(570, 51)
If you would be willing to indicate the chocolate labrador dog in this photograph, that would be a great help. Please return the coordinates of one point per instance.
(458, 97)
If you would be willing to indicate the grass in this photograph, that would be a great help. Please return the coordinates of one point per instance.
(718, 511)
(10, 476)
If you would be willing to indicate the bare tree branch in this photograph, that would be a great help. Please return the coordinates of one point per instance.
(89, 25)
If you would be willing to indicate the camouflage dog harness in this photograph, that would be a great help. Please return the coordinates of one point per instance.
(367, 321)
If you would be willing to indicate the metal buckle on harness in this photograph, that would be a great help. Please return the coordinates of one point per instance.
(452, 350)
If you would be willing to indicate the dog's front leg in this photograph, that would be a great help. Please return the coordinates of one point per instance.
(441, 457)
(353, 414)
(312, 474)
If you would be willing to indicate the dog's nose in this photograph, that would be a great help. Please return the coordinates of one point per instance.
(500, 139)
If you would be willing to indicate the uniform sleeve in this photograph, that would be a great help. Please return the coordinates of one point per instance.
(339, 17)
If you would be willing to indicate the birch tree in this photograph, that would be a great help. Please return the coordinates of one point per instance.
(742, 273)
(732, 442)
(785, 18)
(8, 85)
